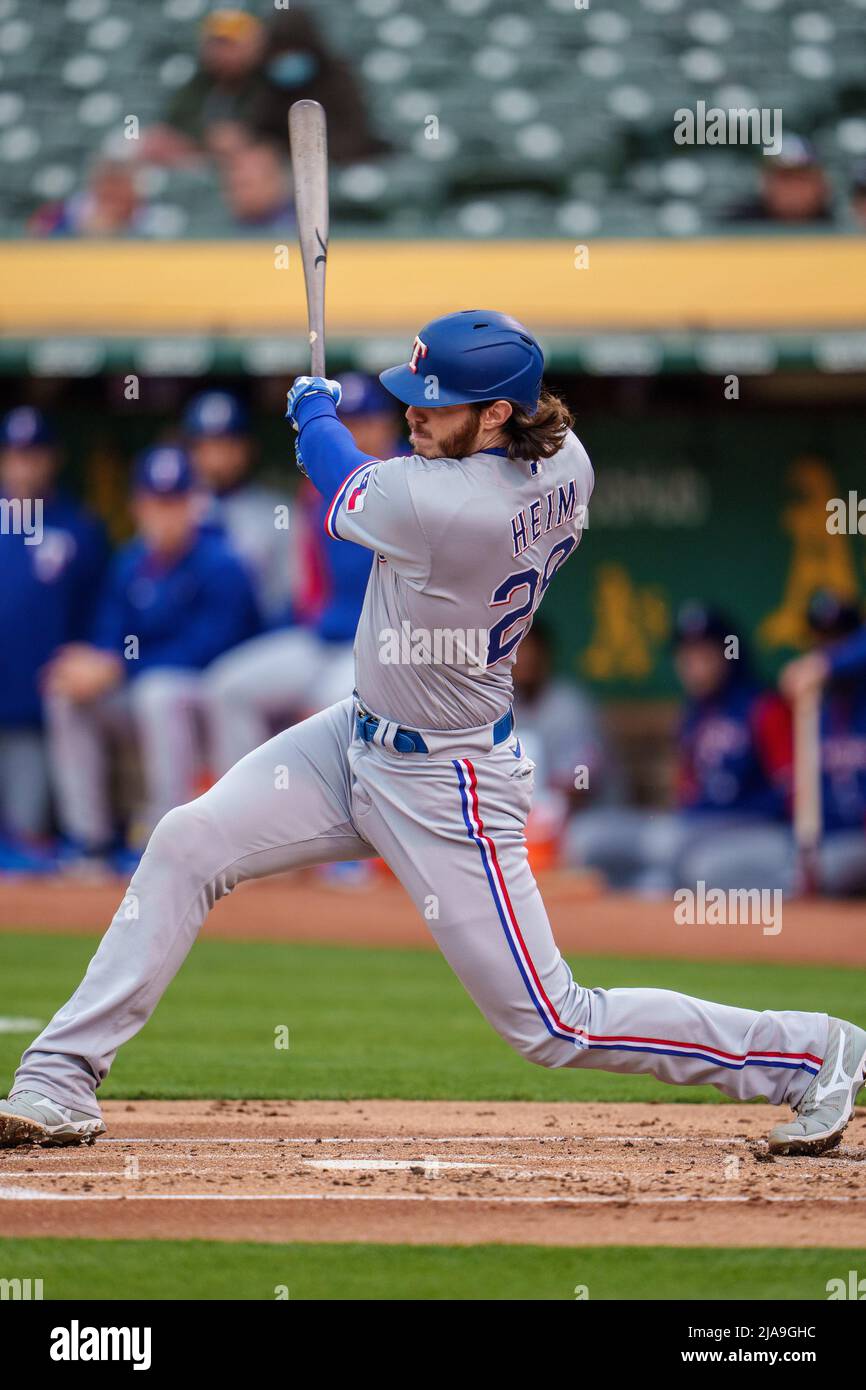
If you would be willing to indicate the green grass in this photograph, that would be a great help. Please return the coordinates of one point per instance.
(365, 1022)
(175, 1269)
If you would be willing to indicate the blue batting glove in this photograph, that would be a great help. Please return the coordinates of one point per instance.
(308, 386)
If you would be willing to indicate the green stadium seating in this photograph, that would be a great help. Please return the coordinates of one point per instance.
(553, 120)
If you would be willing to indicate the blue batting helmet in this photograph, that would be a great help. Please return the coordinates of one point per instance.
(215, 414)
(474, 355)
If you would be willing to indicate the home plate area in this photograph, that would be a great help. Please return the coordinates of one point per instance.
(452, 1173)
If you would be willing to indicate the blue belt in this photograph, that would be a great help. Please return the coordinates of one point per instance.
(410, 741)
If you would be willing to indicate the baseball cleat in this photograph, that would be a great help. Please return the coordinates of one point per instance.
(828, 1104)
(29, 1118)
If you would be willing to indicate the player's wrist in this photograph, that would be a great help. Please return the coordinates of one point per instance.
(313, 406)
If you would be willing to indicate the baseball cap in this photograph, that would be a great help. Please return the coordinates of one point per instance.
(363, 395)
(214, 415)
(26, 428)
(230, 24)
(164, 470)
(698, 622)
(795, 152)
(832, 616)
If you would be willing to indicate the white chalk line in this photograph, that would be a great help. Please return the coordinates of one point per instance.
(419, 1167)
(449, 1139)
(36, 1195)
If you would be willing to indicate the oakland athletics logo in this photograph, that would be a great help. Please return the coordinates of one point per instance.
(419, 349)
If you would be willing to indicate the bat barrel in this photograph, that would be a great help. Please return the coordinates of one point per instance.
(308, 143)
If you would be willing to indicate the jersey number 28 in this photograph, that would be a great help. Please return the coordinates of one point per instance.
(499, 643)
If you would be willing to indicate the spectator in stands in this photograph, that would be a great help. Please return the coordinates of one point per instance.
(794, 189)
(253, 518)
(733, 775)
(858, 196)
(299, 64)
(207, 113)
(305, 663)
(108, 206)
(52, 558)
(248, 76)
(559, 729)
(257, 188)
(837, 667)
(175, 599)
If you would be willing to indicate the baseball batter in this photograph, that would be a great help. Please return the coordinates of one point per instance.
(424, 767)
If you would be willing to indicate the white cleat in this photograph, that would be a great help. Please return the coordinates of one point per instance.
(28, 1118)
(828, 1104)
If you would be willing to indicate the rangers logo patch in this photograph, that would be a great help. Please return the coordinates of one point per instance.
(419, 350)
(358, 493)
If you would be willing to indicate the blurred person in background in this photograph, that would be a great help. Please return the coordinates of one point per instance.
(733, 774)
(175, 599)
(857, 206)
(561, 732)
(256, 186)
(248, 75)
(794, 190)
(837, 667)
(306, 663)
(299, 65)
(51, 565)
(253, 518)
(109, 205)
(206, 114)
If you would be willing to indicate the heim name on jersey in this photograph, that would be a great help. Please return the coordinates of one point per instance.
(527, 526)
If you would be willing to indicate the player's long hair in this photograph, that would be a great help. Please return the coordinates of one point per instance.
(537, 436)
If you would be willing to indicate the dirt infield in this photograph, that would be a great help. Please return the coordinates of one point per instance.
(301, 908)
(430, 1172)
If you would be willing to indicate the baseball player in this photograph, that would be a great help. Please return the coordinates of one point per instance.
(175, 599)
(305, 662)
(424, 766)
(52, 558)
(217, 430)
(733, 777)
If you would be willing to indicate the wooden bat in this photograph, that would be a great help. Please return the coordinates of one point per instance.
(808, 812)
(308, 144)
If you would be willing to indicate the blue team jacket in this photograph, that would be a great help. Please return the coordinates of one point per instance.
(184, 614)
(48, 594)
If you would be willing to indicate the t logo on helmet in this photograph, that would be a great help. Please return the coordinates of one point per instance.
(419, 349)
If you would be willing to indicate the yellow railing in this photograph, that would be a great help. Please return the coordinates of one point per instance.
(378, 286)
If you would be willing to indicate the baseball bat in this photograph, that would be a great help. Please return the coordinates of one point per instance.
(308, 144)
(808, 812)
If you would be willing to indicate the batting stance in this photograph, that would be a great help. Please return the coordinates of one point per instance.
(423, 766)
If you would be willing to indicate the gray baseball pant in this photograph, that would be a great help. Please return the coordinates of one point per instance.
(24, 786)
(159, 709)
(451, 827)
(288, 672)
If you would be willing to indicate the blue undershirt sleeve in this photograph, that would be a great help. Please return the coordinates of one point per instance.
(329, 452)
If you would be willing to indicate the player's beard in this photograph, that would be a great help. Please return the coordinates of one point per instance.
(459, 444)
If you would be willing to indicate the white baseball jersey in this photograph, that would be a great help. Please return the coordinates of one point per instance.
(466, 549)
